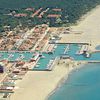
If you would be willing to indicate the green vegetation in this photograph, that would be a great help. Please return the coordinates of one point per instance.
(72, 10)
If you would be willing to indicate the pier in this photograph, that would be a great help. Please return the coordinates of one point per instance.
(90, 61)
(94, 61)
(66, 49)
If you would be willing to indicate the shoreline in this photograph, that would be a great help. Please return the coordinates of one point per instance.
(55, 74)
(65, 78)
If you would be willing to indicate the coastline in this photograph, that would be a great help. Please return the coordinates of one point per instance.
(38, 85)
(65, 78)
(39, 81)
(79, 84)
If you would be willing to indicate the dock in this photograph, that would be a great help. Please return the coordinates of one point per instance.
(90, 61)
(94, 61)
(66, 49)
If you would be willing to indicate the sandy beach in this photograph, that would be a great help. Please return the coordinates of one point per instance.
(90, 26)
(38, 85)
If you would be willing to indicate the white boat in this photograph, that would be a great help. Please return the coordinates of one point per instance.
(37, 66)
(87, 55)
(21, 56)
(55, 46)
(38, 63)
(43, 57)
(77, 53)
(11, 55)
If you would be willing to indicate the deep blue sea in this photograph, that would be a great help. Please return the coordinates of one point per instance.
(82, 84)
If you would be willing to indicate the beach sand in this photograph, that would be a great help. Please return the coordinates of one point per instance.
(37, 85)
(90, 26)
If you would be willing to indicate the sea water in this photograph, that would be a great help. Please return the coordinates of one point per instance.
(82, 84)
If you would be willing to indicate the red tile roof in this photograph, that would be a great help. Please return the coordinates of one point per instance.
(20, 15)
(36, 13)
(53, 16)
(56, 9)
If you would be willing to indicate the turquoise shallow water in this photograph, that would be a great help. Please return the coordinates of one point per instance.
(43, 62)
(82, 84)
(73, 48)
(26, 55)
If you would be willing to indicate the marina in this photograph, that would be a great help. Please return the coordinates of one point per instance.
(70, 50)
(41, 57)
(14, 56)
